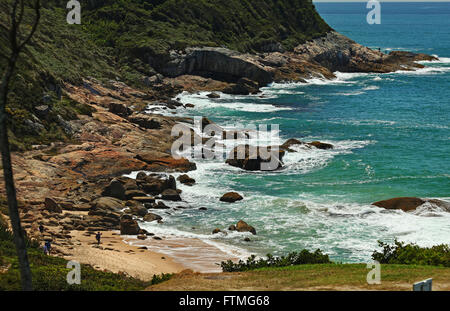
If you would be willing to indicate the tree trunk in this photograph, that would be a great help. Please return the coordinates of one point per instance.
(19, 238)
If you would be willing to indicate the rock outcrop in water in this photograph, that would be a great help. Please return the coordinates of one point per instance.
(231, 197)
(410, 204)
(252, 158)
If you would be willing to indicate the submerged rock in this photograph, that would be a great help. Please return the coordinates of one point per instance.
(213, 95)
(320, 145)
(410, 203)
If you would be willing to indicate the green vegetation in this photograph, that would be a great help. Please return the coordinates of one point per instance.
(148, 26)
(49, 273)
(302, 258)
(311, 277)
(412, 254)
(55, 55)
(118, 38)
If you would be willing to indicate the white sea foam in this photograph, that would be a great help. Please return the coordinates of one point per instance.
(423, 71)
(201, 101)
(371, 88)
(306, 159)
(440, 60)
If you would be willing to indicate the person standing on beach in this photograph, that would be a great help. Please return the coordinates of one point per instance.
(48, 245)
(98, 237)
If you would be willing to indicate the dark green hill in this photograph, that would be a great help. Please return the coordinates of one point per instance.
(243, 25)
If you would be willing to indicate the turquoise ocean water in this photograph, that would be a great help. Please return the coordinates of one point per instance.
(392, 138)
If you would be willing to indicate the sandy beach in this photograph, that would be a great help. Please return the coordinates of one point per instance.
(116, 256)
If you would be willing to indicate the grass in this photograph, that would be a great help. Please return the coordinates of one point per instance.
(311, 277)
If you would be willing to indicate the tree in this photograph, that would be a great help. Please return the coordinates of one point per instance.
(16, 45)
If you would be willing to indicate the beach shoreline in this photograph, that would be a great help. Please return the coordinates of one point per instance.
(114, 255)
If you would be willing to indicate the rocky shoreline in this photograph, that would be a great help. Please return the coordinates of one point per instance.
(78, 186)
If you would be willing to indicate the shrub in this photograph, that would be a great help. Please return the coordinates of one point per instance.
(292, 259)
(412, 254)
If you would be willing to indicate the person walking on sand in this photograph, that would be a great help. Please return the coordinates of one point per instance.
(98, 236)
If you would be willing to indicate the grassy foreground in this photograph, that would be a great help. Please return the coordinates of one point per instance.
(310, 277)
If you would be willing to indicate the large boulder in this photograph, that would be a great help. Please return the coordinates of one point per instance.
(152, 217)
(410, 203)
(105, 212)
(115, 189)
(256, 158)
(170, 195)
(136, 208)
(155, 184)
(107, 203)
(131, 194)
(231, 197)
(129, 226)
(186, 180)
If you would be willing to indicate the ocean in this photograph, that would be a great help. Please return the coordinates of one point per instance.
(391, 134)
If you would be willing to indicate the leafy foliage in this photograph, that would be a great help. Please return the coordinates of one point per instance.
(245, 25)
(412, 254)
(49, 273)
(292, 259)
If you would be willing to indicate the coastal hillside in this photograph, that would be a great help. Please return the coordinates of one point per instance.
(158, 46)
(115, 41)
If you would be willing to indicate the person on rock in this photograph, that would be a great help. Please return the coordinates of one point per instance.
(41, 228)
